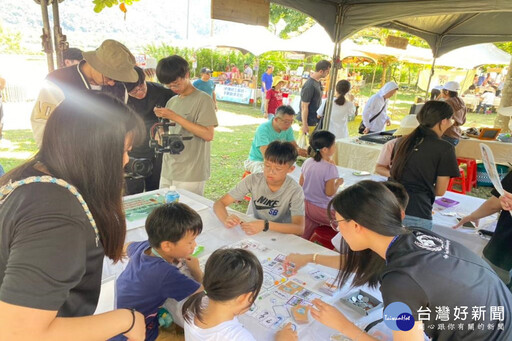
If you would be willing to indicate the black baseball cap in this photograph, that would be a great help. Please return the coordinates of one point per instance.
(206, 70)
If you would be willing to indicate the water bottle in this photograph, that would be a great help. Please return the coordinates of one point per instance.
(172, 195)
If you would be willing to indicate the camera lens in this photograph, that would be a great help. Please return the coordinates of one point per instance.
(139, 167)
(176, 145)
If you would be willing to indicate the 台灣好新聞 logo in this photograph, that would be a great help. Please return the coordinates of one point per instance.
(398, 317)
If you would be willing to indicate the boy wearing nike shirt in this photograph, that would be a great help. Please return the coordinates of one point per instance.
(277, 200)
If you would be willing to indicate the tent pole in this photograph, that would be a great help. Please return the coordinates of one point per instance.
(59, 38)
(336, 59)
(47, 36)
(430, 77)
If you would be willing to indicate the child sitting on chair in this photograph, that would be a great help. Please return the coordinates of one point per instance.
(319, 179)
(152, 274)
(277, 200)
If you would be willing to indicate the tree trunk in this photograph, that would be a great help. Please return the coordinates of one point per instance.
(384, 74)
(506, 101)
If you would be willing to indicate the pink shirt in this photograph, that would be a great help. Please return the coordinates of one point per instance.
(385, 154)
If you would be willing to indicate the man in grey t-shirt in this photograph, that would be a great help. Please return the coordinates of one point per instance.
(277, 200)
(194, 114)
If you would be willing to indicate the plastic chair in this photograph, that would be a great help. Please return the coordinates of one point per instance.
(470, 171)
(323, 236)
(461, 180)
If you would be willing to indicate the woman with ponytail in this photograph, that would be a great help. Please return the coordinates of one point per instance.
(232, 281)
(319, 180)
(424, 163)
(341, 110)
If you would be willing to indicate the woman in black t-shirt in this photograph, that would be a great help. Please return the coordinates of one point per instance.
(424, 163)
(440, 282)
(60, 213)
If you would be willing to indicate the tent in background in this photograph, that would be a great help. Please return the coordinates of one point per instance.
(469, 57)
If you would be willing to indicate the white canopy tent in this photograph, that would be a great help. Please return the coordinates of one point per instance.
(469, 57)
(248, 38)
(445, 26)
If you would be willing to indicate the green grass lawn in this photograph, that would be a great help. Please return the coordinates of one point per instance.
(229, 148)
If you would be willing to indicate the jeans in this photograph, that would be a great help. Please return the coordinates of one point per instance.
(484, 106)
(411, 221)
(452, 140)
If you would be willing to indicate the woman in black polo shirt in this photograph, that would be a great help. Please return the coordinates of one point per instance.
(440, 281)
(424, 163)
(61, 213)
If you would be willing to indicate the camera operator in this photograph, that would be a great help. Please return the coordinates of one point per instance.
(193, 111)
(143, 97)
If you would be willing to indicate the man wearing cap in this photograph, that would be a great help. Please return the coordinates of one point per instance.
(205, 84)
(450, 94)
(101, 70)
(311, 97)
(407, 125)
(143, 97)
(193, 112)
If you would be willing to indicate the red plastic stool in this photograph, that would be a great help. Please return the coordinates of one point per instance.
(246, 198)
(470, 171)
(323, 236)
(458, 181)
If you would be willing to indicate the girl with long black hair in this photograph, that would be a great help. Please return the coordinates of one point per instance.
(424, 271)
(424, 163)
(60, 213)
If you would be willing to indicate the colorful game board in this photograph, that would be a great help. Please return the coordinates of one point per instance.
(285, 296)
(140, 207)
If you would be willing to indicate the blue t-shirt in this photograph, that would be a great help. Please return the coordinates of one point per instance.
(207, 86)
(267, 79)
(147, 282)
(265, 134)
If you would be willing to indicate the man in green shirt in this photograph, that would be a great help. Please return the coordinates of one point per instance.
(206, 85)
(280, 129)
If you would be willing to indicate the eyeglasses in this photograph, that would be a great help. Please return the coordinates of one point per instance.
(334, 224)
(285, 121)
(275, 170)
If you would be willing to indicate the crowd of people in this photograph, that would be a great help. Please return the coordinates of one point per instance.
(61, 211)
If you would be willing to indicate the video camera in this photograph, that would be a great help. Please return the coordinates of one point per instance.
(169, 143)
(138, 168)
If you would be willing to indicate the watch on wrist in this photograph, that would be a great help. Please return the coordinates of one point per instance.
(267, 226)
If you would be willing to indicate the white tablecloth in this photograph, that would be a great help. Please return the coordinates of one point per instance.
(214, 236)
(362, 155)
(356, 154)
(472, 101)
